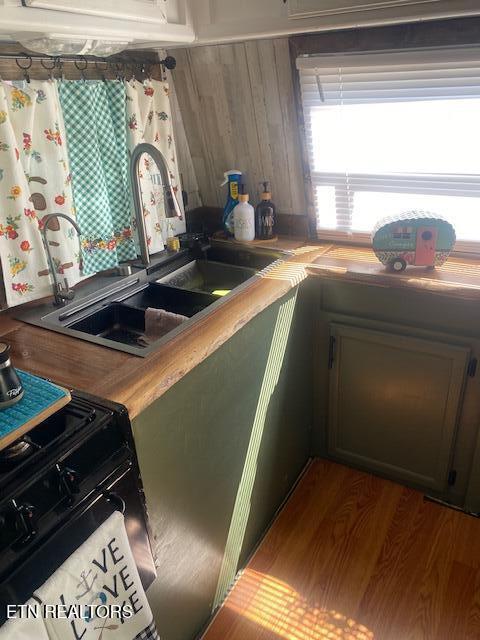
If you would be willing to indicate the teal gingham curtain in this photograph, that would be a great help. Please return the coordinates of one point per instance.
(95, 117)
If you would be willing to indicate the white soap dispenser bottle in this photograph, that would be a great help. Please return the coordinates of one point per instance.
(244, 218)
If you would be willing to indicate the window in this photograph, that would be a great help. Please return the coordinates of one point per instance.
(390, 132)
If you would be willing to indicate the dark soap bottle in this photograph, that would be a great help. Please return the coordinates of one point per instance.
(265, 216)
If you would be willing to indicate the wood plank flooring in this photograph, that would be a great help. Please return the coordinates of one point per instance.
(356, 557)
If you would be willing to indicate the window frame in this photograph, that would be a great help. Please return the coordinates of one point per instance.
(456, 32)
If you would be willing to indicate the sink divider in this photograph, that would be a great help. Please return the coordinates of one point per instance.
(92, 300)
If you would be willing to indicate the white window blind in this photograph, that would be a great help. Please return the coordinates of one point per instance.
(389, 132)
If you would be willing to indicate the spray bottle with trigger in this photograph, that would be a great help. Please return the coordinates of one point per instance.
(233, 178)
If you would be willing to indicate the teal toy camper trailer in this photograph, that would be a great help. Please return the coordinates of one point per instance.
(415, 237)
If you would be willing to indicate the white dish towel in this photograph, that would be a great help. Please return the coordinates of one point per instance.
(23, 628)
(102, 571)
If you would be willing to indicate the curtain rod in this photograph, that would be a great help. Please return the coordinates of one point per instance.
(24, 60)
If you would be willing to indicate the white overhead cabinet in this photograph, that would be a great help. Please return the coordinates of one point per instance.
(121, 23)
(141, 10)
(230, 20)
(162, 23)
(370, 10)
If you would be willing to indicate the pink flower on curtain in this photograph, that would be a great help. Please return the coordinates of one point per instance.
(10, 229)
(22, 287)
(27, 142)
(54, 135)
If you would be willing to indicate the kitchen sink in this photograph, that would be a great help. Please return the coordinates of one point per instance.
(216, 278)
(116, 322)
(110, 310)
(124, 321)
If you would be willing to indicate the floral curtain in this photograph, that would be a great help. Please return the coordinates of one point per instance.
(95, 119)
(34, 181)
(149, 120)
(101, 122)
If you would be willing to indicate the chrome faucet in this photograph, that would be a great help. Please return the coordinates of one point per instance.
(61, 293)
(172, 208)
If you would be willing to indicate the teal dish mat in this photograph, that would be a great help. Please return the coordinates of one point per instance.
(39, 395)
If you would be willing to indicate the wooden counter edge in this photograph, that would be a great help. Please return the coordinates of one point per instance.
(137, 382)
(419, 282)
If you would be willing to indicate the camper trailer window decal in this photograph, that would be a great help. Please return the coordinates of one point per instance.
(403, 232)
(415, 237)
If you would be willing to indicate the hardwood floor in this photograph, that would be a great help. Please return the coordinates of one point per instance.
(356, 557)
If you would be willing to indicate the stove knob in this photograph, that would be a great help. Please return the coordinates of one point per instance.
(26, 523)
(69, 483)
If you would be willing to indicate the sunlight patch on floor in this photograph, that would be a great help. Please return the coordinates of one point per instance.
(275, 606)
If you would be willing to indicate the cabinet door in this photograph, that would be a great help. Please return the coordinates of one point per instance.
(394, 402)
(313, 8)
(138, 10)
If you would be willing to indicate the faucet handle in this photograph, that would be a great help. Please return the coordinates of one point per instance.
(69, 294)
(64, 292)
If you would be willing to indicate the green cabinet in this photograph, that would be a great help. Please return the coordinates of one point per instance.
(394, 403)
(218, 453)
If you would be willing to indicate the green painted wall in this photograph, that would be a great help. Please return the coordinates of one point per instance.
(219, 452)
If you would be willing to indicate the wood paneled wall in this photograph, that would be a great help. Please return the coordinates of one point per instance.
(238, 108)
(184, 156)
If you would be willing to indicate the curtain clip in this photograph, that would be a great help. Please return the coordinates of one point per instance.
(51, 68)
(25, 67)
(81, 69)
(120, 70)
(59, 63)
(102, 74)
(133, 67)
(147, 70)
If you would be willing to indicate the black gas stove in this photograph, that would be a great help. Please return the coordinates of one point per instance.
(58, 484)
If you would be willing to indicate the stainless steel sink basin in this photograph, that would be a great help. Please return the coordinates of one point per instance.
(111, 312)
(204, 275)
(124, 322)
(116, 322)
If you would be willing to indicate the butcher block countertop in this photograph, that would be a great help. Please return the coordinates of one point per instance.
(137, 382)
